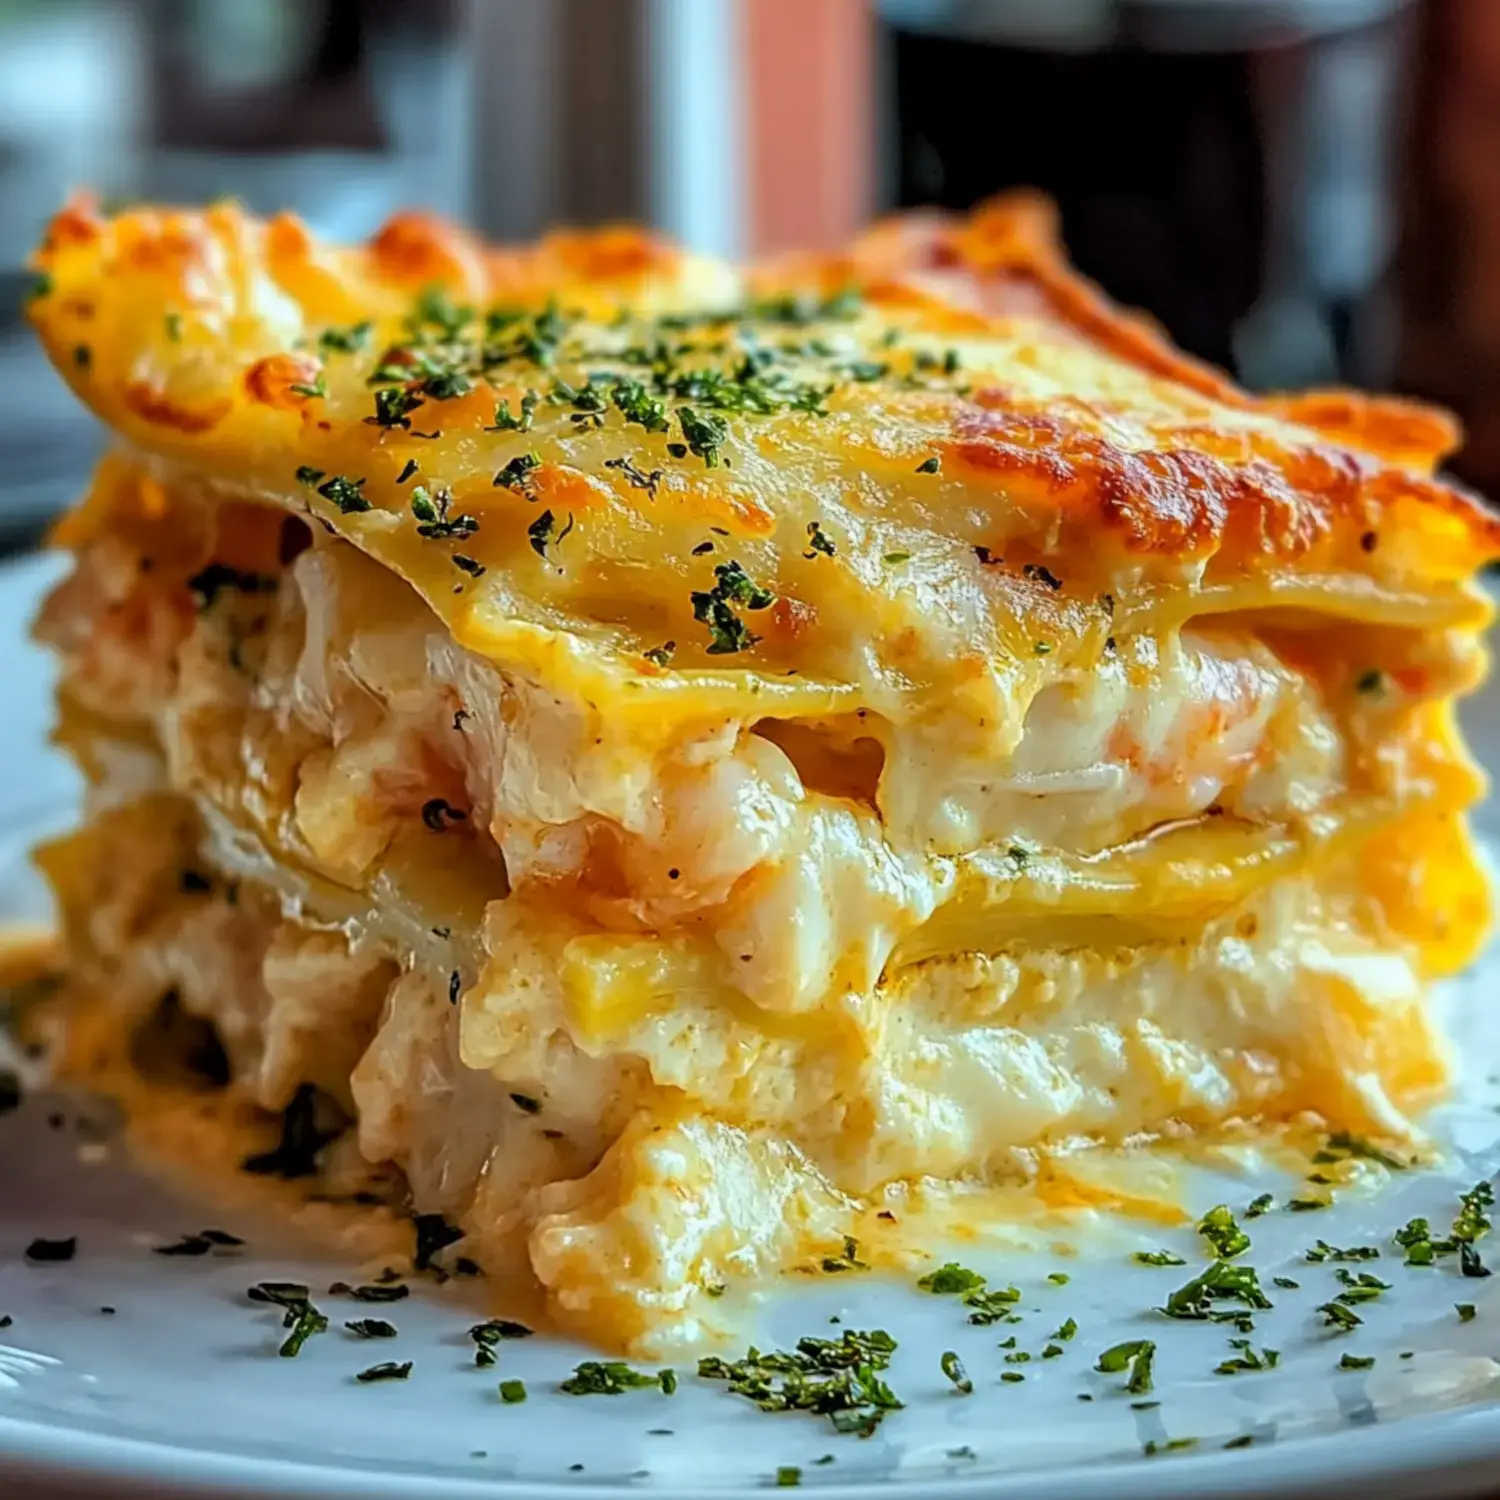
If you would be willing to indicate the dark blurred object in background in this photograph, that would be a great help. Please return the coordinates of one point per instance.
(1448, 269)
(1221, 163)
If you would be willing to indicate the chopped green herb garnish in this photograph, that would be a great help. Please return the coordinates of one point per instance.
(283, 1294)
(345, 340)
(639, 407)
(1469, 1263)
(705, 434)
(788, 1476)
(661, 656)
(1066, 1332)
(611, 1377)
(1247, 1359)
(640, 479)
(951, 1279)
(1285, 1283)
(840, 1379)
(1415, 1237)
(447, 385)
(512, 1392)
(1342, 1141)
(345, 493)
(173, 324)
(1322, 1251)
(1356, 1362)
(1138, 1355)
(930, 465)
(1471, 1222)
(388, 1292)
(190, 1245)
(486, 1335)
(432, 508)
(517, 473)
(1466, 1311)
(1222, 1281)
(1158, 1258)
(371, 1328)
(1258, 1206)
(387, 1371)
(505, 422)
(1360, 1288)
(818, 541)
(990, 1306)
(317, 390)
(1339, 1316)
(1226, 1237)
(1172, 1445)
(713, 608)
(1370, 682)
(1012, 1377)
(304, 1320)
(953, 1368)
(435, 309)
(394, 405)
(541, 533)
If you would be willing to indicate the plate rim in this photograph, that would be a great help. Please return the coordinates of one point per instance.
(1324, 1464)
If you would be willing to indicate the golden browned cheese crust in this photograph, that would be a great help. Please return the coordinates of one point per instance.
(941, 454)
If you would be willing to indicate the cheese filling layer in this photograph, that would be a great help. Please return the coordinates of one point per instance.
(315, 699)
(636, 1138)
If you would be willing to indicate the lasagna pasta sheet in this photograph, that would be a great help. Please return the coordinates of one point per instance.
(679, 756)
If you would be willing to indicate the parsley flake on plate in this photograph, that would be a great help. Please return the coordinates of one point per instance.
(1226, 1237)
(613, 1377)
(1135, 1354)
(951, 1279)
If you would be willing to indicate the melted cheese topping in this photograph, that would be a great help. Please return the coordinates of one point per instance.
(1086, 477)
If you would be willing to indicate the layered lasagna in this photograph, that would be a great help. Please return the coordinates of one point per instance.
(674, 760)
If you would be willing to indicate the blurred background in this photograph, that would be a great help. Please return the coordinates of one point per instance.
(1304, 191)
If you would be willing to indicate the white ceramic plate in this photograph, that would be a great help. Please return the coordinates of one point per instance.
(179, 1389)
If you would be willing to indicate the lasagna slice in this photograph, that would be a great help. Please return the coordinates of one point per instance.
(689, 765)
